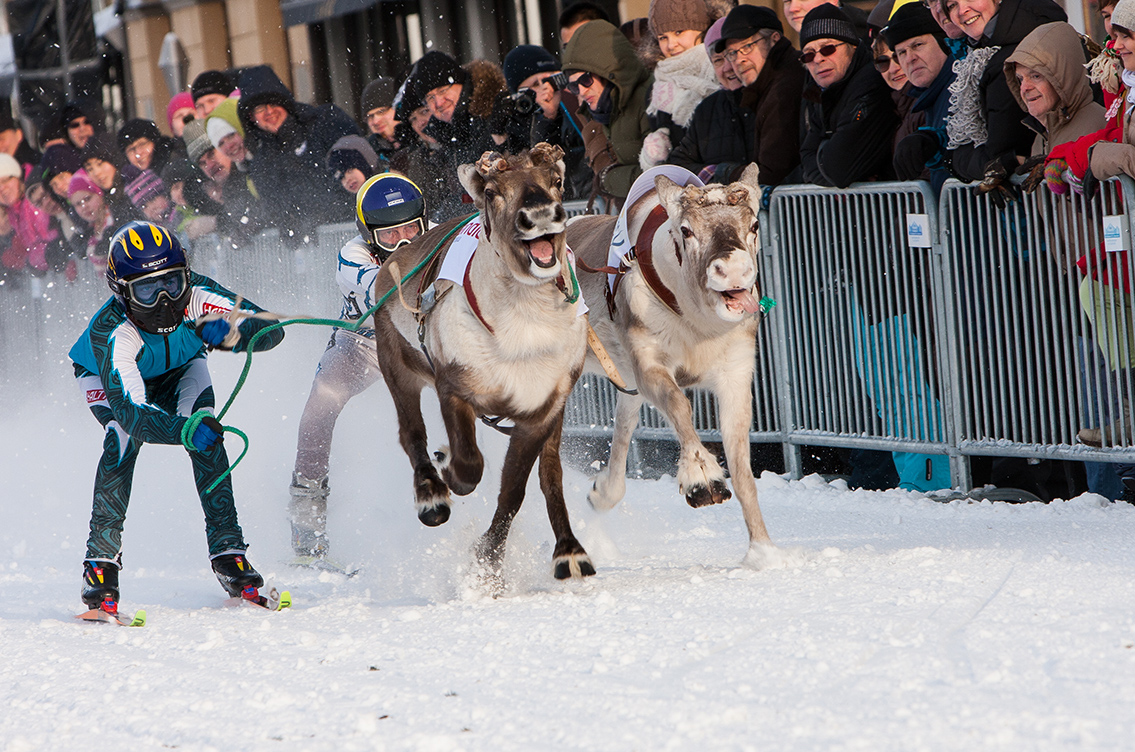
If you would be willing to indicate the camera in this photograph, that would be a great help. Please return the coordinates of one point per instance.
(524, 102)
(558, 82)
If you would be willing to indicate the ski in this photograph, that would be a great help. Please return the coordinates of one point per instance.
(107, 617)
(273, 601)
(323, 564)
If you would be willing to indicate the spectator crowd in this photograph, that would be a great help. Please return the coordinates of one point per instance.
(979, 90)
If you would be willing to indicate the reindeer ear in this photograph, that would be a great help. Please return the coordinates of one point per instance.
(750, 177)
(668, 191)
(474, 183)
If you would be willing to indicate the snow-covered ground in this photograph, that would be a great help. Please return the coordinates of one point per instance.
(905, 625)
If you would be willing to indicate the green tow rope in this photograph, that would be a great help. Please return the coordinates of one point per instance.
(196, 418)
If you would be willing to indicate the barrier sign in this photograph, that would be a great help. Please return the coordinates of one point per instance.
(1116, 236)
(918, 231)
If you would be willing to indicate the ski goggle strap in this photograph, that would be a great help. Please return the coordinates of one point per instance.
(144, 291)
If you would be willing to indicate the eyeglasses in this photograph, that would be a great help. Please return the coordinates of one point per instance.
(145, 290)
(585, 81)
(883, 63)
(78, 123)
(826, 51)
(745, 49)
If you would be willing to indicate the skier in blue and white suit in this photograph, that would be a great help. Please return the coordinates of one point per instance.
(141, 365)
(389, 211)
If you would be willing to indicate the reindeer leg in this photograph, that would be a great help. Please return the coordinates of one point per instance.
(523, 448)
(736, 417)
(569, 559)
(611, 483)
(465, 466)
(700, 478)
(405, 376)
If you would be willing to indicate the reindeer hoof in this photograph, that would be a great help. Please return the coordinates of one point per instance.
(434, 515)
(702, 496)
(572, 565)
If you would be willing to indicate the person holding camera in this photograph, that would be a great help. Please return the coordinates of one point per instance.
(539, 112)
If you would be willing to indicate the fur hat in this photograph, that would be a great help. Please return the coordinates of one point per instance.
(678, 15)
(909, 21)
(197, 142)
(828, 22)
(527, 60)
(378, 93)
(211, 82)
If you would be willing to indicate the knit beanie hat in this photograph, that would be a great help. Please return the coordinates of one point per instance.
(678, 15)
(212, 82)
(713, 36)
(743, 22)
(434, 70)
(527, 60)
(828, 22)
(81, 181)
(378, 93)
(217, 129)
(179, 102)
(909, 21)
(135, 129)
(58, 159)
(1123, 14)
(9, 167)
(144, 188)
(352, 152)
(197, 142)
(102, 147)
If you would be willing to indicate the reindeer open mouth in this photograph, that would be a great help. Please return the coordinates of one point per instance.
(739, 300)
(542, 250)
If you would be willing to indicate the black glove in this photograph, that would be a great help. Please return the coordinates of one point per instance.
(1033, 170)
(996, 185)
(503, 109)
(1090, 183)
(913, 152)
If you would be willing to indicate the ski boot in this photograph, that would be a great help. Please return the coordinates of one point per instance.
(100, 584)
(308, 511)
(237, 576)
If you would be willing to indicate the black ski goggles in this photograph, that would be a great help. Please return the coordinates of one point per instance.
(145, 291)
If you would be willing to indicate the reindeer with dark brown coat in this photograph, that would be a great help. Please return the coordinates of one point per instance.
(506, 343)
(684, 314)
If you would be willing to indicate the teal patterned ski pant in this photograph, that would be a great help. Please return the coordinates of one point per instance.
(182, 391)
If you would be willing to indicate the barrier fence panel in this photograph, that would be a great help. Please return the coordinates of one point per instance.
(858, 317)
(1043, 349)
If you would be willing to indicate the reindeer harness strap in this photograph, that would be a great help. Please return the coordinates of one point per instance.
(644, 252)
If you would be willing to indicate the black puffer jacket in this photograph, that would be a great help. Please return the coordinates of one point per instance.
(720, 134)
(847, 129)
(297, 191)
(774, 98)
(468, 134)
(1007, 136)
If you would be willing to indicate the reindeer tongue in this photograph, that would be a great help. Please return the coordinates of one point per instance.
(746, 299)
(541, 249)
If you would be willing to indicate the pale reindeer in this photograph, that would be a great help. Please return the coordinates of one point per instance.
(684, 313)
(508, 342)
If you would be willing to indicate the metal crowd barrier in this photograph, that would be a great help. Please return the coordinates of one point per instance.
(904, 323)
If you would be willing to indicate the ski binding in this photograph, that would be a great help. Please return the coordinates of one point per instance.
(107, 613)
(273, 601)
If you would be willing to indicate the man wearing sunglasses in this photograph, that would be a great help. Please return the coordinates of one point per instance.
(848, 117)
(753, 41)
(141, 366)
(612, 85)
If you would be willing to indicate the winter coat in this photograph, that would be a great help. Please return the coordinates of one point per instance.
(719, 136)
(429, 167)
(32, 233)
(1005, 135)
(681, 83)
(847, 129)
(1055, 51)
(600, 48)
(469, 133)
(774, 99)
(296, 189)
